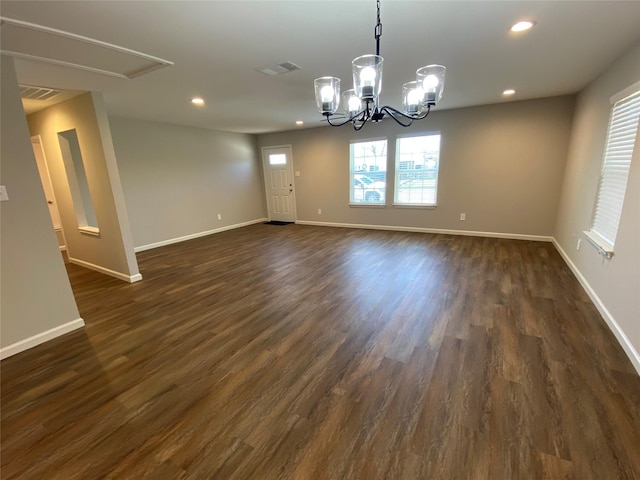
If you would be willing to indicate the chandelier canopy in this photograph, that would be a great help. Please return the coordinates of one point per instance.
(361, 103)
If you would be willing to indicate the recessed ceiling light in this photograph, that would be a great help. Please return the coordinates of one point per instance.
(522, 25)
(197, 101)
(510, 91)
(299, 122)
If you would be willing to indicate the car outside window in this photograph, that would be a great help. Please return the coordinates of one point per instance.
(368, 172)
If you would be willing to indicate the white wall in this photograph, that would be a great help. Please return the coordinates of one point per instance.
(500, 164)
(177, 179)
(112, 251)
(613, 284)
(36, 301)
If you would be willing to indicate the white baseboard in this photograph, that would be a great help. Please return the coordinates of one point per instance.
(135, 278)
(31, 342)
(119, 275)
(611, 322)
(170, 241)
(469, 233)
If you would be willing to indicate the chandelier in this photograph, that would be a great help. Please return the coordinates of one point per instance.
(361, 103)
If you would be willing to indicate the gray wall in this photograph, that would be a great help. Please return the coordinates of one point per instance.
(111, 251)
(615, 282)
(177, 179)
(500, 164)
(35, 293)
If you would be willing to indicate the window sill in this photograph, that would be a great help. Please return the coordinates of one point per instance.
(91, 231)
(415, 205)
(603, 248)
(369, 205)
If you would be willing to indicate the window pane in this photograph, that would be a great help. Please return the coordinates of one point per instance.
(417, 161)
(277, 159)
(368, 172)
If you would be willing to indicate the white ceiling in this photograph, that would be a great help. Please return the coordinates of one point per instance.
(218, 45)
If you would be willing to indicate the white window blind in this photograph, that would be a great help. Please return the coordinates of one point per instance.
(621, 137)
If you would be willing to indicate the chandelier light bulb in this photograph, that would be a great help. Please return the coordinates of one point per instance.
(431, 78)
(413, 97)
(326, 93)
(430, 82)
(367, 75)
(354, 104)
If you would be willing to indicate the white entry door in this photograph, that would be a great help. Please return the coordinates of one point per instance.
(278, 183)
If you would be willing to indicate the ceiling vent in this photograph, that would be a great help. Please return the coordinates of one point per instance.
(38, 93)
(279, 68)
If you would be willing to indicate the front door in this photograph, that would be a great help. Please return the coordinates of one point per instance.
(278, 183)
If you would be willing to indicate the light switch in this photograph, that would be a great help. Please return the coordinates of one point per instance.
(297, 173)
(4, 196)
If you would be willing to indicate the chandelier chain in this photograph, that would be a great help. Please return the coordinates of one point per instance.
(378, 30)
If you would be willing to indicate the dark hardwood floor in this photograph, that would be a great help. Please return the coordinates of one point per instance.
(299, 352)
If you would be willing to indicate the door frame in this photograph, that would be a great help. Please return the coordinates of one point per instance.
(265, 177)
(37, 140)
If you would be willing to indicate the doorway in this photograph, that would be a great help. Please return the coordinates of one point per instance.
(278, 183)
(47, 186)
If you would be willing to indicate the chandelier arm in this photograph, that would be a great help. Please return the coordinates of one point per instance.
(365, 114)
(362, 117)
(353, 118)
(357, 127)
(425, 114)
(337, 124)
(392, 112)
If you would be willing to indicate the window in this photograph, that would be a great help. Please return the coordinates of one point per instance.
(621, 136)
(368, 176)
(277, 159)
(417, 160)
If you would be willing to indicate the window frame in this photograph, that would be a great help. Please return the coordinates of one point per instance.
(353, 173)
(396, 189)
(596, 235)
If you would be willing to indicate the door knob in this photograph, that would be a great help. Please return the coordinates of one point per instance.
(49, 202)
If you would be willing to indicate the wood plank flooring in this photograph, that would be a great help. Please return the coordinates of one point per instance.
(300, 352)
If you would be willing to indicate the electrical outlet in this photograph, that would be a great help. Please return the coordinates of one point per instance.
(319, 211)
(463, 217)
(578, 244)
(219, 216)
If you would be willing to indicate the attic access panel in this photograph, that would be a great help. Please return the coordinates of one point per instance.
(40, 43)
